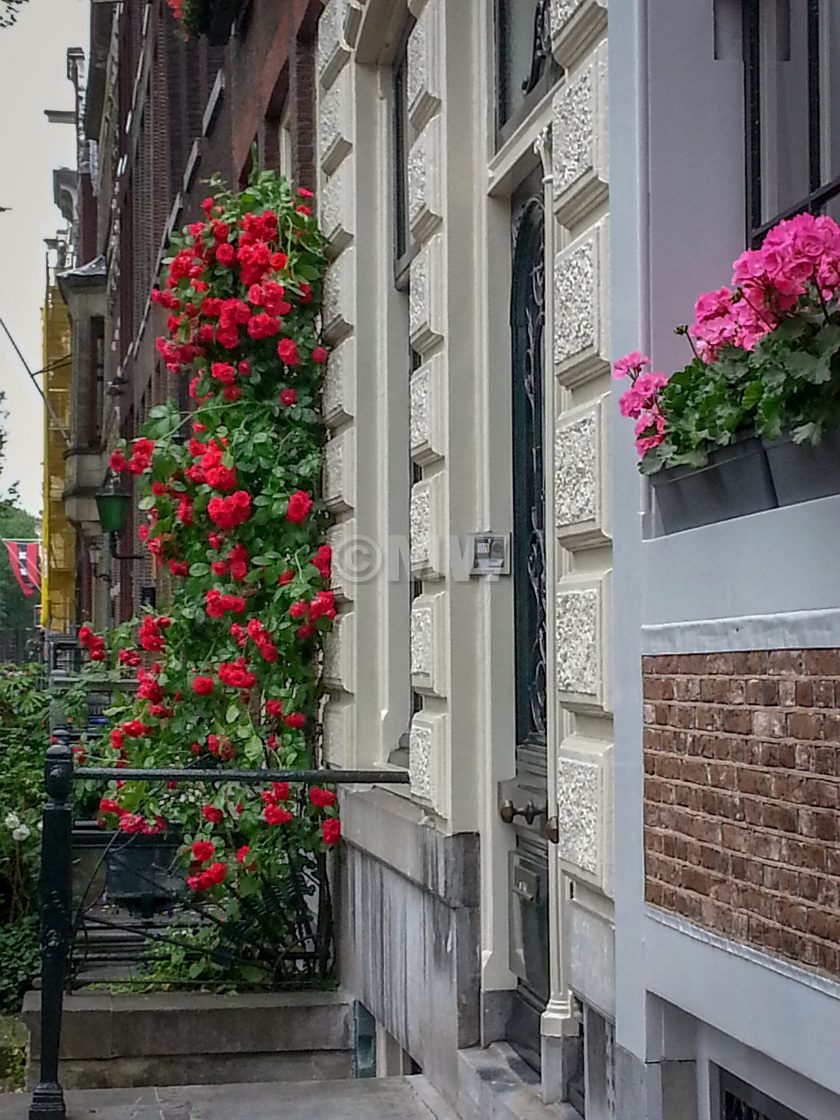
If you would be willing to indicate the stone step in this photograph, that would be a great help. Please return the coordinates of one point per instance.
(388, 1098)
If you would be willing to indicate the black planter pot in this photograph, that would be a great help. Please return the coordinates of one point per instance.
(801, 472)
(735, 482)
(223, 14)
(143, 872)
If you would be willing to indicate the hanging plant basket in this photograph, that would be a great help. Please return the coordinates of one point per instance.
(734, 482)
(212, 18)
(802, 471)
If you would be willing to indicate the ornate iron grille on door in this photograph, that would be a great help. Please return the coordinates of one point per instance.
(528, 322)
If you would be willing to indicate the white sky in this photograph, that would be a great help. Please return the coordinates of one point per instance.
(32, 78)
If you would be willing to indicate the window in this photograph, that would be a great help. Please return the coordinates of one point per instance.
(740, 1101)
(792, 101)
(284, 144)
(525, 66)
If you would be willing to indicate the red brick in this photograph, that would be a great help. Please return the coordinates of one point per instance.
(737, 721)
(805, 693)
(784, 662)
(805, 725)
(823, 694)
(766, 723)
(821, 662)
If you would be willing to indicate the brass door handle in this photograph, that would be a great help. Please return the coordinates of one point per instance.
(552, 830)
(509, 812)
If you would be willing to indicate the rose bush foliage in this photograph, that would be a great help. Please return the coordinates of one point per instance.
(229, 675)
(766, 354)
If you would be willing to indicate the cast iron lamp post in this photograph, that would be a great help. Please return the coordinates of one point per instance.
(112, 505)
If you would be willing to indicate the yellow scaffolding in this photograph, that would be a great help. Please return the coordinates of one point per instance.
(58, 561)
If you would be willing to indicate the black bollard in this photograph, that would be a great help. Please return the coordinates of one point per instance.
(56, 903)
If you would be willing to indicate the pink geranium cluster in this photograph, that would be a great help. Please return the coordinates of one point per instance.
(641, 401)
(798, 258)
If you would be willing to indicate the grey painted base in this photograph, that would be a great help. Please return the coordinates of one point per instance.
(409, 930)
(495, 1084)
(654, 1090)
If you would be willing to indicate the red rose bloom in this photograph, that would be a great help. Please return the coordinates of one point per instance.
(202, 850)
(212, 814)
(274, 708)
(273, 814)
(331, 831)
(322, 798)
(288, 397)
(299, 506)
(225, 254)
(295, 720)
(202, 686)
(286, 577)
(319, 355)
(287, 351)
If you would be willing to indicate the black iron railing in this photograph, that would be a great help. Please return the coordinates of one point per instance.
(70, 923)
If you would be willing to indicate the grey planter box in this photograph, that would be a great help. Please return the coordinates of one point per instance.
(801, 472)
(735, 482)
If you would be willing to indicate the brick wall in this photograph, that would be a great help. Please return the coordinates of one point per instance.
(742, 791)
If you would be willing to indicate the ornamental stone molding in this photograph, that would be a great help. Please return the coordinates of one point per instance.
(581, 482)
(336, 207)
(339, 538)
(336, 123)
(340, 472)
(331, 52)
(428, 411)
(576, 25)
(426, 758)
(425, 180)
(338, 305)
(339, 395)
(427, 296)
(580, 147)
(427, 528)
(338, 734)
(426, 64)
(580, 630)
(428, 644)
(584, 810)
(581, 308)
(339, 662)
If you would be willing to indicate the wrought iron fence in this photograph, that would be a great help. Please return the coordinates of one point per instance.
(128, 906)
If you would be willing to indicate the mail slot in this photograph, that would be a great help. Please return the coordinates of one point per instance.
(528, 948)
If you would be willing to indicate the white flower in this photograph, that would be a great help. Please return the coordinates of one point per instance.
(21, 832)
(12, 820)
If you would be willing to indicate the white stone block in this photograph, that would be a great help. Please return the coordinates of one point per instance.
(585, 809)
(338, 733)
(428, 411)
(340, 537)
(427, 757)
(336, 208)
(426, 64)
(339, 390)
(581, 308)
(580, 142)
(428, 528)
(336, 121)
(338, 305)
(581, 631)
(425, 180)
(428, 644)
(339, 664)
(576, 25)
(340, 471)
(427, 302)
(581, 482)
(331, 52)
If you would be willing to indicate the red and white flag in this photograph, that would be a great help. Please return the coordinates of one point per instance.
(25, 558)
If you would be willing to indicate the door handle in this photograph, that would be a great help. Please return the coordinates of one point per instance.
(509, 812)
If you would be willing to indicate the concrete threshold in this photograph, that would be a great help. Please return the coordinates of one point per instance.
(387, 1098)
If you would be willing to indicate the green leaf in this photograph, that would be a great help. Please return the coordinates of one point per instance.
(199, 569)
(149, 502)
(232, 713)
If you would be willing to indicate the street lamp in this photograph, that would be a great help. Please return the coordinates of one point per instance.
(112, 505)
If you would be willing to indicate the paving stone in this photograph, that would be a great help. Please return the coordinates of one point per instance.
(392, 1098)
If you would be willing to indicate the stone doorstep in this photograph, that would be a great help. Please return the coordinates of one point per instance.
(99, 1026)
(495, 1084)
(391, 1098)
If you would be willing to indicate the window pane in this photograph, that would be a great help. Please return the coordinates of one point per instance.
(829, 47)
(784, 105)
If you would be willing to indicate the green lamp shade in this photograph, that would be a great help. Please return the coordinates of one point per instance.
(112, 506)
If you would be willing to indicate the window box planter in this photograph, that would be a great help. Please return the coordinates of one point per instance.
(736, 481)
(801, 472)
